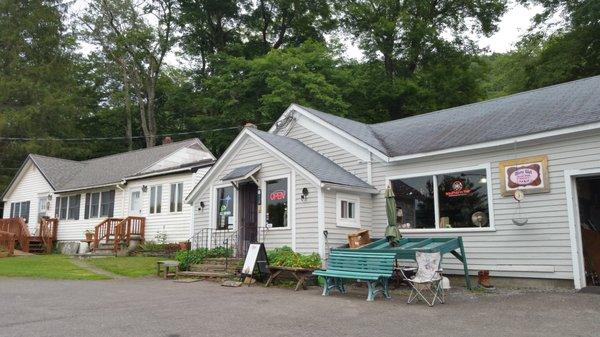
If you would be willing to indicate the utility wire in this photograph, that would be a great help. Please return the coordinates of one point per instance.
(121, 138)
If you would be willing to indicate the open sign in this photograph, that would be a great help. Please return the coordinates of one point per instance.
(277, 195)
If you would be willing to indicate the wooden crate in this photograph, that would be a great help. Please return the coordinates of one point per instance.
(358, 239)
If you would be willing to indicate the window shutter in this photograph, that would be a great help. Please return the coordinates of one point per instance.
(86, 213)
(111, 207)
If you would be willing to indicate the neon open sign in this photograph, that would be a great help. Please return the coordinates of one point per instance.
(277, 195)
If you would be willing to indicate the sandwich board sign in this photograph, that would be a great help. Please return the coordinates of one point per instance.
(257, 255)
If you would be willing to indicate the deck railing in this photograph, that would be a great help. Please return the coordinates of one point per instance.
(128, 227)
(120, 230)
(48, 232)
(237, 240)
(105, 230)
(18, 227)
(7, 242)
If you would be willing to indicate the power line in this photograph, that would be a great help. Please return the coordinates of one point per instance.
(121, 138)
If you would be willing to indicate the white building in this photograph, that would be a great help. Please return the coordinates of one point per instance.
(149, 182)
(314, 177)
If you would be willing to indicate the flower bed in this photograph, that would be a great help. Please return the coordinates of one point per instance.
(286, 257)
(197, 256)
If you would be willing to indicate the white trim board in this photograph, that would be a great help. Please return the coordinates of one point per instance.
(574, 226)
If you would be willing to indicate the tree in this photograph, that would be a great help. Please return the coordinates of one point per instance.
(136, 37)
(40, 96)
(417, 41)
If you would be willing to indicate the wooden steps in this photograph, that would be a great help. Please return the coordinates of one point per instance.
(214, 268)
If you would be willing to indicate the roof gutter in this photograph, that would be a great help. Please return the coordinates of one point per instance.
(338, 187)
(500, 142)
(154, 174)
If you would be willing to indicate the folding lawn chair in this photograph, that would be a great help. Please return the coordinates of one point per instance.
(427, 280)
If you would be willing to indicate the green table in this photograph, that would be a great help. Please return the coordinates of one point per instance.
(407, 248)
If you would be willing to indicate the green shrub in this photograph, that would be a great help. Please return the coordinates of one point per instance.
(286, 257)
(155, 247)
(197, 256)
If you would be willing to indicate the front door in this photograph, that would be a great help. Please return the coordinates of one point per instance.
(248, 217)
(588, 200)
(135, 202)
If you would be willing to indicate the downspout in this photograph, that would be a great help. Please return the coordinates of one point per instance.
(119, 186)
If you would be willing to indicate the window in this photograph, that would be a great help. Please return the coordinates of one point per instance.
(20, 210)
(63, 207)
(225, 208)
(42, 207)
(99, 204)
(67, 207)
(155, 199)
(176, 204)
(347, 210)
(450, 200)
(74, 207)
(276, 203)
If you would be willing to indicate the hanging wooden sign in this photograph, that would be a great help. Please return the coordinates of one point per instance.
(529, 175)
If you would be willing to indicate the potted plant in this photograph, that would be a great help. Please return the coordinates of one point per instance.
(89, 235)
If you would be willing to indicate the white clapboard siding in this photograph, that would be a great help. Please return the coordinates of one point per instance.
(306, 217)
(542, 247)
(335, 153)
(250, 152)
(30, 186)
(175, 224)
(338, 235)
(74, 230)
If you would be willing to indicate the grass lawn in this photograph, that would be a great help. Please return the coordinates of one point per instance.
(45, 266)
(130, 266)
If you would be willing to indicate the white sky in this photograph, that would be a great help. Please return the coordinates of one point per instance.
(515, 22)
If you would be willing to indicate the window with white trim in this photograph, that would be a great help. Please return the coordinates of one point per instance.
(225, 207)
(176, 204)
(20, 210)
(67, 207)
(443, 201)
(99, 204)
(276, 215)
(347, 208)
(155, 199)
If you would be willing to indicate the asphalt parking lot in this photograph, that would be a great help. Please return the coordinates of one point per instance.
(154, 307)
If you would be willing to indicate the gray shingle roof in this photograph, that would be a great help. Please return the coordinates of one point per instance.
(72, 175)
(318, 165)
(240, 172)
(555, 107)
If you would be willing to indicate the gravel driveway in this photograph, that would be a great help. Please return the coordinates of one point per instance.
(153, 307)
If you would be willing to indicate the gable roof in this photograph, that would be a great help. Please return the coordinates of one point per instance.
(69, 175)
(318, 165)
(551, 108)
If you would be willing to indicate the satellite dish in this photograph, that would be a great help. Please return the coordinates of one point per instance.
(479, 219)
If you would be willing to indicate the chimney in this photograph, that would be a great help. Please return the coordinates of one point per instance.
(249, 125)
(167, 140)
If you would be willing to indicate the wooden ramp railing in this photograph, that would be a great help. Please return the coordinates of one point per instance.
(48, 232)
(7, 242)
(18, 227)
(120, 231)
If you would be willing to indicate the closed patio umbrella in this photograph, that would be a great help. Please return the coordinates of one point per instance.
(392, 233)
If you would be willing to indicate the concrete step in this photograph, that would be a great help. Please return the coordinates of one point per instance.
(213, 267)
(221, 260)
(205, 274)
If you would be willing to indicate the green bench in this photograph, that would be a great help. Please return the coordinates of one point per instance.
(373, 268)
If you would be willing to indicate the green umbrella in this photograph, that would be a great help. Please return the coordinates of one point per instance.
(392, 233)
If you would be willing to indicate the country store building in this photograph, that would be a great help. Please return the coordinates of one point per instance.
(517, 177)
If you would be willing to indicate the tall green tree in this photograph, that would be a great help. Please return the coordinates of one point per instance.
(40, 96)
(136, 36)
(417, 42)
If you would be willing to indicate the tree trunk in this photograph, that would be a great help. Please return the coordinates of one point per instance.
(127, 101)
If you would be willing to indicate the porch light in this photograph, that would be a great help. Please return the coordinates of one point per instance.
(304, 194)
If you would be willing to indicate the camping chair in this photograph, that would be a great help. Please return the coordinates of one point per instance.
(427, 280)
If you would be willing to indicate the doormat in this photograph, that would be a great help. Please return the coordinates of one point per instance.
(231, 283)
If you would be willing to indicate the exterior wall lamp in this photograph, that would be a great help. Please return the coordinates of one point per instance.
(304, 195)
